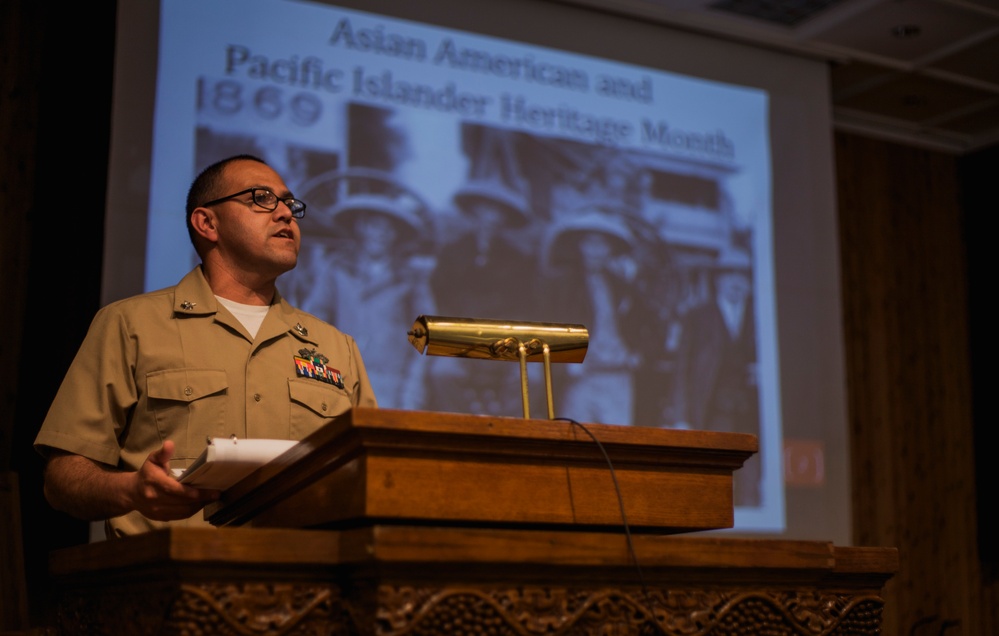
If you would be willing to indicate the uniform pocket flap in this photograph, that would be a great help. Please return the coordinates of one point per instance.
(186, 385)
(320, 398)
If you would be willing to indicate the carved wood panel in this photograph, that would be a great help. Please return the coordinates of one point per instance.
(307, 608)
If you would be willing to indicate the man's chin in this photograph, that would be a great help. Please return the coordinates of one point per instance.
(285, 264)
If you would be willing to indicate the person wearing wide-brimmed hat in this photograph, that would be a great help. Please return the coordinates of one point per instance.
(591, 268)
(484, 273)
(373, 282)
(715, 384)
(481, 272)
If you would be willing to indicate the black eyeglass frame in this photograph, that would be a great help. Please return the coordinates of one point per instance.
(296, 206)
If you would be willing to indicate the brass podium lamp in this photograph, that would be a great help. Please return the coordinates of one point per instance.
(503, 340)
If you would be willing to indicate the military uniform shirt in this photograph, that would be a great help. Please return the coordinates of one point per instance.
(176, 365)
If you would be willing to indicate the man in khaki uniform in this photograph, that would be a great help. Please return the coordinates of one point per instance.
(219, 354)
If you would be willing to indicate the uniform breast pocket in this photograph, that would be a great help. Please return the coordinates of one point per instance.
(189, 405)
(314, 404)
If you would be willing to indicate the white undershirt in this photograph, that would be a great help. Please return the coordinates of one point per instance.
(250, 316)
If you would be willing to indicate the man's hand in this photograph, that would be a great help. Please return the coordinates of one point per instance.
(158, 495)
(88, 490)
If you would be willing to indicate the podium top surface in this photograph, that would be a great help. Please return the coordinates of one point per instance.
(485, 432)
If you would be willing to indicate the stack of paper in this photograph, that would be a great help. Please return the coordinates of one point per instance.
(225, 461)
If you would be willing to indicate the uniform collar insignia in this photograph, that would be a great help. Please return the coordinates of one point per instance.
(302, 331)
(187, 305)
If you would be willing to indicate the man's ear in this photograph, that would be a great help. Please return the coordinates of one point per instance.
(204, 222)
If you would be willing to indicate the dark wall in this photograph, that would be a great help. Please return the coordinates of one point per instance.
(68, 63)
(904, 267)
(979, 172)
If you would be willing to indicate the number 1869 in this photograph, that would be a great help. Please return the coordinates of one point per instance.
(230, 98)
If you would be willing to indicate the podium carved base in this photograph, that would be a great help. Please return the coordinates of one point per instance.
(280, 608)
(394, 580)
(208, 608)
(671, 612)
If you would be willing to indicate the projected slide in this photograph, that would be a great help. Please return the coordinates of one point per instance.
(449, 173)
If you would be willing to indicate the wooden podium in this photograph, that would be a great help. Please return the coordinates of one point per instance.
(385, 466)
(399, 522)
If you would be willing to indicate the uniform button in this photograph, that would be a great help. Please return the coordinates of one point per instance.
(256, 397)
(324, 406)
(188, 391)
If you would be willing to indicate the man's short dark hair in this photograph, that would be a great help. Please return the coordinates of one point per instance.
(207, 186)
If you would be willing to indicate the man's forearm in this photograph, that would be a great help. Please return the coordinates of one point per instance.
(86, 489)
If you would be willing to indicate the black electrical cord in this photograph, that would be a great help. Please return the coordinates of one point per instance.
(624, 517)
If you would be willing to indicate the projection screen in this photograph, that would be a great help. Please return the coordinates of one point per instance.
(521, 160)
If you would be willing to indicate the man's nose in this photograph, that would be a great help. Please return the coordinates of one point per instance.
(283, 211)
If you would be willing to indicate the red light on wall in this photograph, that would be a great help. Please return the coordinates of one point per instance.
(804, 462)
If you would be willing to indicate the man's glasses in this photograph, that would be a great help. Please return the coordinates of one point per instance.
(267, 200)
